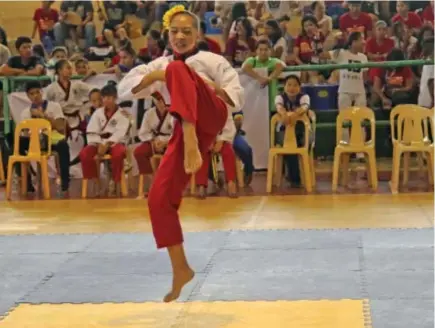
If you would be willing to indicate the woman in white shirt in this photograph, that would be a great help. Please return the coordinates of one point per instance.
(404, 40)
(279, 44)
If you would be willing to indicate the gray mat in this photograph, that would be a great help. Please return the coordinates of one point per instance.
(402, 313)
(277, 260)
(45, 244)
(107, 288)
(391, 267)
(269, 285)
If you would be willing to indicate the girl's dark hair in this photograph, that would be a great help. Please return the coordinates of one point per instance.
(109, 90)
(308, 18)
(395, 54)
(238, 11)
(277, 33)
(397, 26)
(354, 36)
(94, 91)
(33, 85)
(202, 45)
(247, 26)
(39, 51)
(155, 35)
(130, 51)
(293, 77)
(59, 65)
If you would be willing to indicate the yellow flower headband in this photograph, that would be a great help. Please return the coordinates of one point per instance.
(171, 12)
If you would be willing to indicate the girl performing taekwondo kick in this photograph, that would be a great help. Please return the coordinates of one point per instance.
(202, 87)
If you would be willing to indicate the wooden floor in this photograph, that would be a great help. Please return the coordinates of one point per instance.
(221, 213)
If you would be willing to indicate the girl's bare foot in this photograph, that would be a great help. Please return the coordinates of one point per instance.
(180, 279)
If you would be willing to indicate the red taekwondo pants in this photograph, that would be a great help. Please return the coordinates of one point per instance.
(143, 154)
(194, 101)
(229, 162)
(89, 165)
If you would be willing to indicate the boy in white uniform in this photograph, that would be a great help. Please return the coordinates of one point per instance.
(52, 112)
(107, 134)
(426, 95)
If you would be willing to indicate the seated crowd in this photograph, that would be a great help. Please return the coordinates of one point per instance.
(255, 34)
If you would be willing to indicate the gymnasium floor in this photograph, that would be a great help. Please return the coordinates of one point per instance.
(324, 261)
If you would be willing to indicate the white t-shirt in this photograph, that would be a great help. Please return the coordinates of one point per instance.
(281, 43)
(424, 98)
(277, 8)
(53, 110)
(351, 81)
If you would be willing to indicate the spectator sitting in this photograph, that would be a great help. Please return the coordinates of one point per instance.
(356, 21)
(242, 148)
(241, 46)
(274, 34)
(290, 105)
(404, 40)
(70, 94)
(323, 21)
(25, 63)
(38, 50)
(52, 112)
(59, 53)
(5, 53)
(3, 37)
(392, 86)
(380, 45)
(115, 23)
(263, 60)
(127, 62)
(308, 46)
(426, 95)
(86, 29)
(428, 14)
(82, 68)
(409, 18)
(45, 18)
(283, 24)
(213, 46)
(154, 48)
(238, 12)
(426, 32)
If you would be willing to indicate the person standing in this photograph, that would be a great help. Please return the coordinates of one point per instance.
(202, 87)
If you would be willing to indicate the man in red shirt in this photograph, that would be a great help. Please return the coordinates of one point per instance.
(213, 46)
(356, 21)
(409, 18)
(428, 14)
(379, 45)
(45, 18)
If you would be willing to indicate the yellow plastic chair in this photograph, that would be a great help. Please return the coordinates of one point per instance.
(412, 136)
(356, 144)
(98, 160)
(34, 154)
(275, 163)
